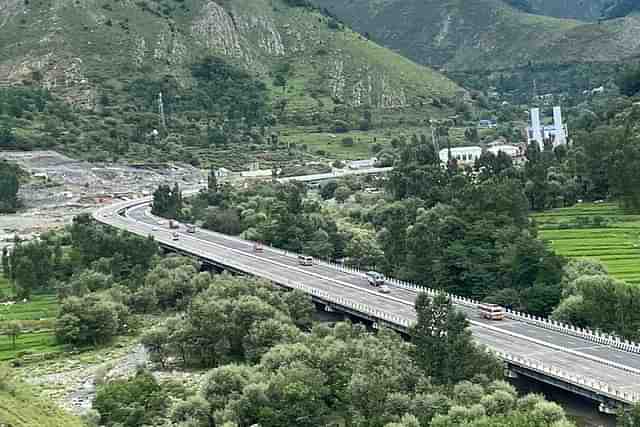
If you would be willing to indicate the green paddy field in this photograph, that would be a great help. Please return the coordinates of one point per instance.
(604, 232)
(37, 317)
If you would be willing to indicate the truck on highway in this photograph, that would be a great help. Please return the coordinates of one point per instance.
(491, 311)
(174, 224)
(191, 228)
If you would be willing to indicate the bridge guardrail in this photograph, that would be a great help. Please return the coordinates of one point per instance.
(585, 382)
(542, 322)
(547, 369)
(545, 323)
(595, 336)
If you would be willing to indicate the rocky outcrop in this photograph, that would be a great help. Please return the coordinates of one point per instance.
(237, 35)
(216, 30)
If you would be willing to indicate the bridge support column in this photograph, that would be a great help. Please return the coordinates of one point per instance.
(510, 373)
(607, 408)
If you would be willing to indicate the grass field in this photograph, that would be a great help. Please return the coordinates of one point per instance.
(598, 231)
(36, 317)
(22, 408)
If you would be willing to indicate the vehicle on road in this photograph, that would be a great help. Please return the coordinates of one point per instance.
(191, 228)
(374, 278)
(257, 247)
(305, 260)
(154, 228)
(175, 236)
(384, 289)
(162, 222)
(174, 224)
(491, 311)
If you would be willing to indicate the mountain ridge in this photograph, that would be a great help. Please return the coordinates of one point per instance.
(457, 35)
(110, 59)
(255, 34)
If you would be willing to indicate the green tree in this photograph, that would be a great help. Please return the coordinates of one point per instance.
(174, 282)
(363, 251)
(13, 331)
(328, 190)
(30, 267)
(90, 320)
(134, 402)
(167, 201)
(629, 417)
(9, 187)
(224, 384)
(266, 334)
(157, 342)
(225, 221)
(194, 411)
(342, 193)
(444, 348)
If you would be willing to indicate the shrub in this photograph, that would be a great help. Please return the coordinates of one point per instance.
(347, 141)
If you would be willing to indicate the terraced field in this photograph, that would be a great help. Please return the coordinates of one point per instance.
(598, 231)
(36, 318)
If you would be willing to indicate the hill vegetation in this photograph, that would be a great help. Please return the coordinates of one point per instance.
(230, 73)
(490, 35)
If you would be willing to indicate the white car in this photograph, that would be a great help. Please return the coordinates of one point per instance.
(162, 222)
(154, 228)
(384, 289)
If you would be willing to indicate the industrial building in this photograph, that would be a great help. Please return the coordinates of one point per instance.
(555, 133)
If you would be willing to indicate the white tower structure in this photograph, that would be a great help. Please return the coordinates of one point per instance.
(560, 135)
(556, 133)
(536, 130)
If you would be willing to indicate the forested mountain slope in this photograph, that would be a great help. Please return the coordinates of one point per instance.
(488, 34)
(296, 65)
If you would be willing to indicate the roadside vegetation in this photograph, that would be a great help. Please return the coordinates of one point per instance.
(267, 363)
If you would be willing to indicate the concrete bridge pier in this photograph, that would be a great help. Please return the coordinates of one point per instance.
(607, 408)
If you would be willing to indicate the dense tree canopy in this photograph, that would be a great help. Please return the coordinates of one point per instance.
(9, 185)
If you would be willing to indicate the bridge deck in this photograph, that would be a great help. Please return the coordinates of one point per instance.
(584, 360)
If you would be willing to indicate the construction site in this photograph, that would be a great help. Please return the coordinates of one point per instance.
(60, 188)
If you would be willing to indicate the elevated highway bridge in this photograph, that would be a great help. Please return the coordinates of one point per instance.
(600, 367)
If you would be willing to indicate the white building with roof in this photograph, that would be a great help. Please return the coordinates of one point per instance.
(463, 155)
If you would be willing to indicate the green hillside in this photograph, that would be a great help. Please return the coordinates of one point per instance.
(588, 10)
(109, 60)
(20, 408)
(486, 34)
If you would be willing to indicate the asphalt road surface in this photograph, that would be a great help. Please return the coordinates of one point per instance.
(574, 355)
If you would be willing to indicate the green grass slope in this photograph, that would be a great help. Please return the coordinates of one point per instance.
(19, 407)
(485, 34)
